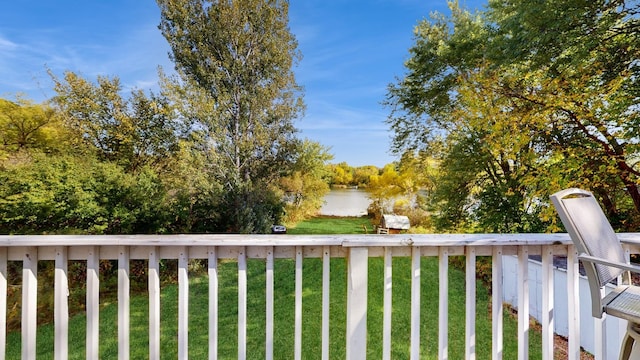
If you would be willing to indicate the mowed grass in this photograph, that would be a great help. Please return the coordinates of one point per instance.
(332, 225)
(284, 276)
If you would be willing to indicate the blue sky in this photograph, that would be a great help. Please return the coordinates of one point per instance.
(352, 49)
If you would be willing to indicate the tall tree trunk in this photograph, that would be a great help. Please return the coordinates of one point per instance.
(632, 188)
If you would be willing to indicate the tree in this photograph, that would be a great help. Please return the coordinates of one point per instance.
(27, 126)
(543, 94)
(306, 187)
(585, 63)
(444, 95)
(342, 174)
(235, 59)
(362, 174)
(396, 189)
(134, 132)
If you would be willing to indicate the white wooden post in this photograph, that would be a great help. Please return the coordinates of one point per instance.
(154, 303)
(387, 304)
(443, 303)
(600, 336)
(298, 306)
(242, 304)
(547, 303)
(29, 302)
(470, 316)
(183, 304)
(212, 271)
(61, 305)
(326, 299)
(523, 303)
(269, 304)
(3, 302)
(123, 303)
(415, 303)
(357, 277)
(93, 302)
(573, 299)
(497, 307)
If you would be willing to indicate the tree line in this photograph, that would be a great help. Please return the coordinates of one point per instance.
(215, 150)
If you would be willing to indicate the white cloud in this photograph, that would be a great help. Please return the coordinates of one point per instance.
(6, 44)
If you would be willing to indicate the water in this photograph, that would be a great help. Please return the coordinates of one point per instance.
(345, 202)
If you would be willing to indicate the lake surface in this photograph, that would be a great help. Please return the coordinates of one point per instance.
(345, 202)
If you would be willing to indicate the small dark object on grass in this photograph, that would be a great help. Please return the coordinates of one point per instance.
(278, 229)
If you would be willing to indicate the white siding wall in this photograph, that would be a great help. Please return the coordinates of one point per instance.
(615, 327)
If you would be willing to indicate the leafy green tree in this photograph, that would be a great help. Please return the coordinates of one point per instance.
(194, 194)
(530, 97)
(587, 85)
(306, 187)
(396, 190)
(235, 61)
(384, 187)
(26, 126)
(134, 132)
(363, 174)
(342, 174)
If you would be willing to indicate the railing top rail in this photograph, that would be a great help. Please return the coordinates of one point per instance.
(402, 240)
(459, 240)
(172, 240)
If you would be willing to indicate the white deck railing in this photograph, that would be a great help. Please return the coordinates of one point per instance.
(357, 249)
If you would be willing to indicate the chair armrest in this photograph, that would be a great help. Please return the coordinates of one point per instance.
(601, 261)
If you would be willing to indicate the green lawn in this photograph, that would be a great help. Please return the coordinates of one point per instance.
(332, 225)
(284, 312)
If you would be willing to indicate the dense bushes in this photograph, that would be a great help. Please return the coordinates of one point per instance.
(67, 194)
